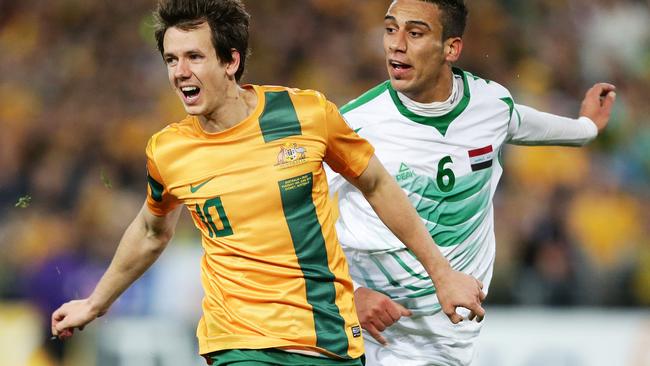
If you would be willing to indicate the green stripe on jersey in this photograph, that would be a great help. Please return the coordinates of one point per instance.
(451, 217)
(365, 97)
(156, 188)
(279, 119)
(270, 356)
(309, 245)
(440, 123)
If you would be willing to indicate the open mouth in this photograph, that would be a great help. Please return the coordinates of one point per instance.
(191, 93)
(396, 65)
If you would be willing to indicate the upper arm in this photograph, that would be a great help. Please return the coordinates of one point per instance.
(160, 227)
(159, 200)
(347, 153)
(371, 178)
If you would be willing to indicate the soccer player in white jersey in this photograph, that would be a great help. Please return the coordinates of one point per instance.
(439, 131)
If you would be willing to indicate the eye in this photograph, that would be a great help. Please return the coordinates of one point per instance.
(196, 56)
(170, 61)
(391, 30)
(415, 34)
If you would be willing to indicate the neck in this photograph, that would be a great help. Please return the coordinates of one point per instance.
(236, 106)
(441, 91)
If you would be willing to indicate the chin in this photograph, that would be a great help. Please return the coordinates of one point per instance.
(193, 110)
(401, 86)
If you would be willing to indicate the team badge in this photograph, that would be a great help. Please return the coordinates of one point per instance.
(291, 154)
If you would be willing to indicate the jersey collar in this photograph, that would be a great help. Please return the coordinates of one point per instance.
(440, 123)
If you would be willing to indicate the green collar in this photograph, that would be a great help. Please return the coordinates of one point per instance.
(440, 123)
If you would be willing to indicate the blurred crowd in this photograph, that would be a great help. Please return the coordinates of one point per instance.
(82, 87)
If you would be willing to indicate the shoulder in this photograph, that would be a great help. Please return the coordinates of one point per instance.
(295, 95)
(170, 134)
(481, 87)
(487, 95)
(366, 98)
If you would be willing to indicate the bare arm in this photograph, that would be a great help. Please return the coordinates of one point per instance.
(453, 288)
(140, 246)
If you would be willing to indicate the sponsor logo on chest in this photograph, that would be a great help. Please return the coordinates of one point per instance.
(404, 173)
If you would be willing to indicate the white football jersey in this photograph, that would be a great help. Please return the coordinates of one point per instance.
(449, 168)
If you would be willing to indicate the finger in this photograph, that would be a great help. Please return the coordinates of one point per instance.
(471, 316)
(482, 296)
(480, 284)
(606, 87)
(455, 318)
(384, 318)
(397, 311)
(608, 101)
(478, 310)
(374, 333)
(479, 318)
(64, 324)
(378, 324)
(66, 333)
(449, 310)
(403, 311)
(57, 317)
(601, 89)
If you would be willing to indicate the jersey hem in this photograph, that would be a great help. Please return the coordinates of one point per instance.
(207, 346)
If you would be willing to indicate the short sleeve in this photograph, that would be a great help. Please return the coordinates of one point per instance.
(347, 153)
(159, 201)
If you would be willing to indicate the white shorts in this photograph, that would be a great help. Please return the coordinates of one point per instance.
(428, 337)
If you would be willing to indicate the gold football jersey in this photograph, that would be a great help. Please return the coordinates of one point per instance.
(273, 271)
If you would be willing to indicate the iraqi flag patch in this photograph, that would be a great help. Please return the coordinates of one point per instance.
(481, 158)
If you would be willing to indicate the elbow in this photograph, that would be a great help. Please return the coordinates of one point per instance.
(157, 242)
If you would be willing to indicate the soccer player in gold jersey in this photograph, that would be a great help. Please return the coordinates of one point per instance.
(247, 163)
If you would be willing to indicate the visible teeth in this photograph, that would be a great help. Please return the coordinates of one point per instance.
(189, 89)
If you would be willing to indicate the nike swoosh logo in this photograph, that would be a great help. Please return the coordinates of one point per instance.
(195, 189)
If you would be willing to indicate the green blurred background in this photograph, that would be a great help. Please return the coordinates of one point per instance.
(82, 87)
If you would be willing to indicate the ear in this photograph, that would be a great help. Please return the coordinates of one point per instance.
(233, 66)
(453, 48)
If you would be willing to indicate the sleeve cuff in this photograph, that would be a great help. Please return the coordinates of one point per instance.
(356, 285)
(589, 126)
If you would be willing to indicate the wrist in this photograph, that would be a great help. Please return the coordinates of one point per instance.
(96, 307)
(439, 272)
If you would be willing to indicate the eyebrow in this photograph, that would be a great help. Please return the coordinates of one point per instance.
(186, 52)
(410, 22)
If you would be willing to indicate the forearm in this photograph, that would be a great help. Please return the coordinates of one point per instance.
(397, 213)
(394, 209)
(138, 249)
(540, 128)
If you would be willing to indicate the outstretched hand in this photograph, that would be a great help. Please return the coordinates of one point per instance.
(457, 289)
(597, 104)
(72, 315)
(377, 312)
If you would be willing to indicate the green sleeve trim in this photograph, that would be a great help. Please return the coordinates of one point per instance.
(365, 97)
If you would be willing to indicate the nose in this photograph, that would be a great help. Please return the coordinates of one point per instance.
(397, 42)
(182, 70)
